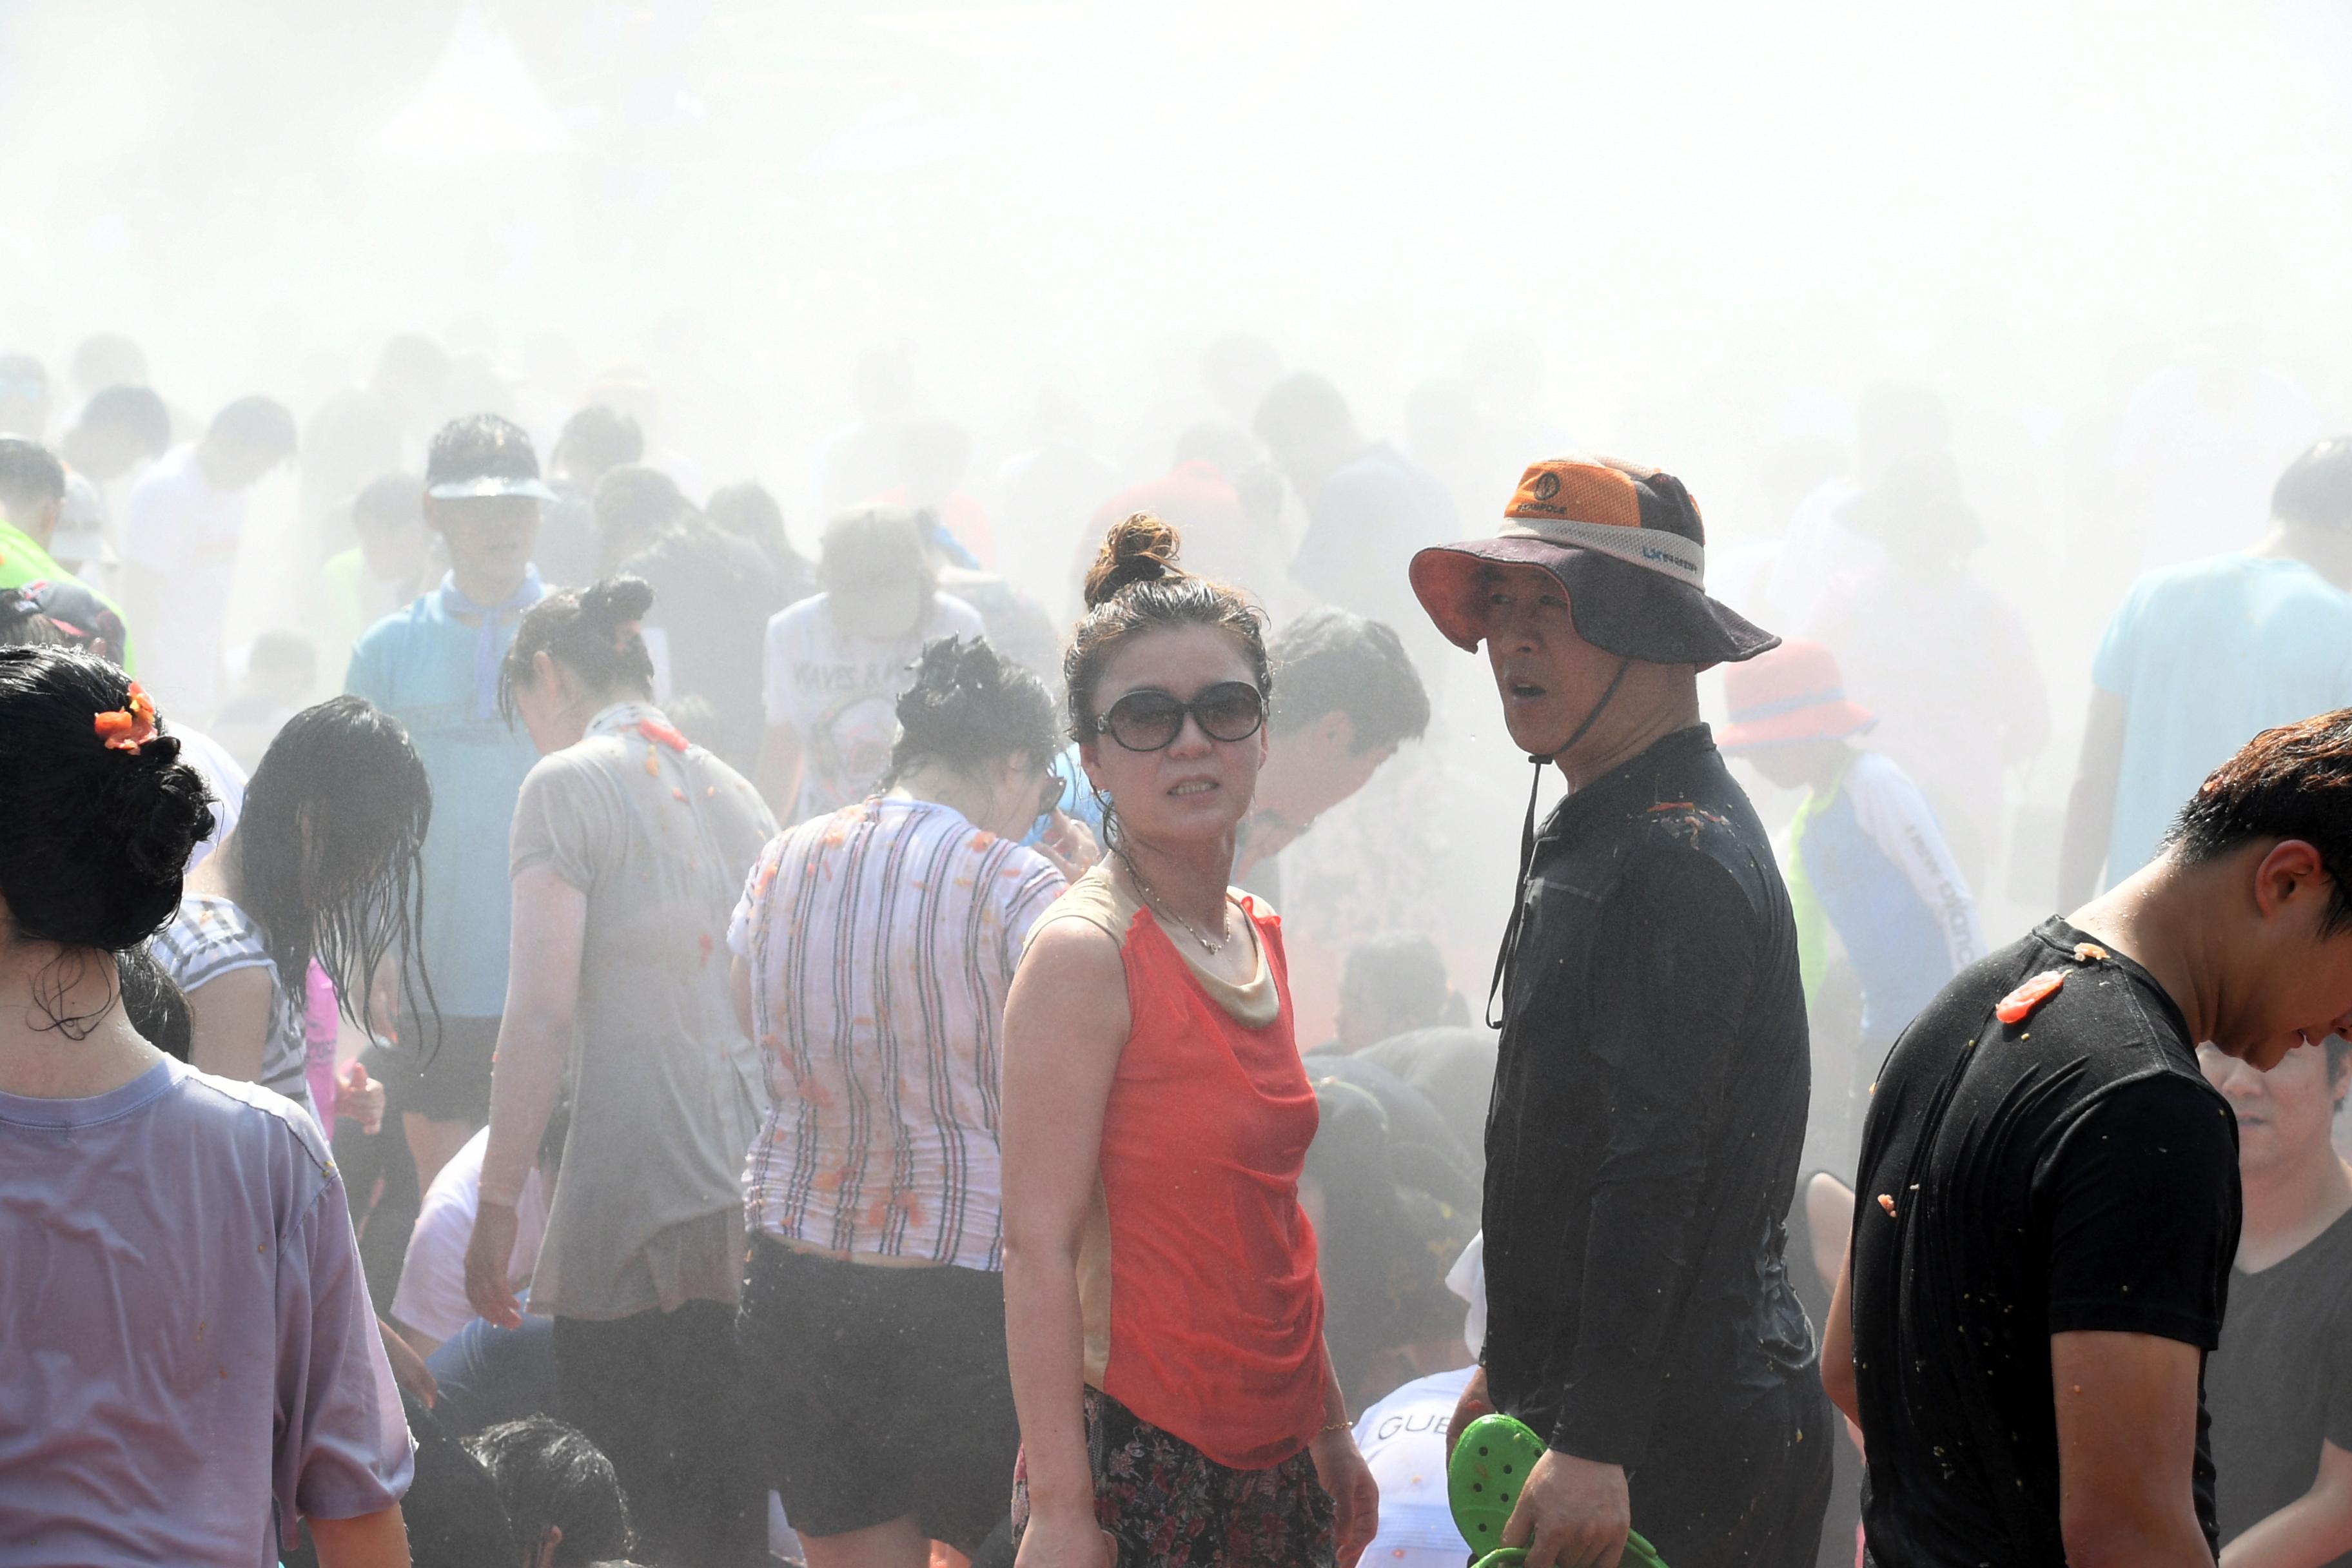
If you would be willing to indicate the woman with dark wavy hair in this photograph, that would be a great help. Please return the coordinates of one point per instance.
(192, 1364)
(322, 865)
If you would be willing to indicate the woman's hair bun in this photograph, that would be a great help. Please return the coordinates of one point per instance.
(612, 603)
(95, 841)
(1139, 548)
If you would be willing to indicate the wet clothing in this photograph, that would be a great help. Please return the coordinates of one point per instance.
(212, 936)
(659, 1392)
(2072, 1172)
(880, 942)
(434, 667)
(666, 1089)
(1196, 1273)
(1169, 1505)
(2281, 1383)
(883, 1393)
(1642, 1149)
(190, 1360)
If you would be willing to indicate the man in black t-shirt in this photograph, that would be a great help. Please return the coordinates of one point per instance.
(2049, 1196)
(2279, 1387)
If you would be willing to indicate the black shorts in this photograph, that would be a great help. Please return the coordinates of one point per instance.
(883, 1394)
(442, 1074)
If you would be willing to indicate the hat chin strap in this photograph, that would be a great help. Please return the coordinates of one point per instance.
(1503, 955)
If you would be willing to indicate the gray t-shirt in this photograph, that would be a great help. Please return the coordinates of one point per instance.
(187, 1355)
(666, 1089)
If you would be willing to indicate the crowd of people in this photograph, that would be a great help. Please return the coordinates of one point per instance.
(727, 1054)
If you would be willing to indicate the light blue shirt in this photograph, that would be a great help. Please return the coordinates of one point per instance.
(422, 666)
(2204, 656)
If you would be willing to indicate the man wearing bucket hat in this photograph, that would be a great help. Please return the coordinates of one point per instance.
(434, 666)
(1650, 1084)
(1865, 859)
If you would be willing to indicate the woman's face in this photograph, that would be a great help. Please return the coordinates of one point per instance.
(1196, 789)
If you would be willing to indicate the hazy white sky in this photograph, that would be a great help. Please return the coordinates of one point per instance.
(1657, 192)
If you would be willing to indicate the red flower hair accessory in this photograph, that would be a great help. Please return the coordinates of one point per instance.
(129, 727)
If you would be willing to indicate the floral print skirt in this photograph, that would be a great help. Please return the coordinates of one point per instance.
(1171, 1506)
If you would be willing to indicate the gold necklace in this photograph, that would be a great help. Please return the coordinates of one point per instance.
(1161, 910)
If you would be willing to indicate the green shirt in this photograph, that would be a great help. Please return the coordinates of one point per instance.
(23, 561)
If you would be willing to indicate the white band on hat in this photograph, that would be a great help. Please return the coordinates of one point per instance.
(1669, 554)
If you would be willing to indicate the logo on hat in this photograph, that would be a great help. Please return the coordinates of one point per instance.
(1546, 486)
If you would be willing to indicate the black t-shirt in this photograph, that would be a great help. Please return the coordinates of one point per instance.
(2282, 1382)
(2070, 1172)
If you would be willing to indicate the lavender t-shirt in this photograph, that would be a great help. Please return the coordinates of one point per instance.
(187, 1355)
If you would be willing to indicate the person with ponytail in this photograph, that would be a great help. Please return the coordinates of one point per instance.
(873, 950)
(628, 848)
(1176, 1397)
(192, 1364)
(323, 866)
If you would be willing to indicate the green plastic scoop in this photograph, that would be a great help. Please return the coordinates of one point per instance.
(1481, 1484)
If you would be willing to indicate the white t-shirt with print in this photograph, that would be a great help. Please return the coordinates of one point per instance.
(842, 692)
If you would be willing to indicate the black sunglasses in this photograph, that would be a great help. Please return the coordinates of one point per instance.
(1151, 721)
(1049, 790)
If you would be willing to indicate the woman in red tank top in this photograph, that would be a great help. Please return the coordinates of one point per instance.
(1164, 1321)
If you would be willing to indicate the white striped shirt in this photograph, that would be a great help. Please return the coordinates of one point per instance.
(211, 937)
(881, 941)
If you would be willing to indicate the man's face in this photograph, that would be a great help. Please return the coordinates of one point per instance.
(2284, 1115)
(1548, 677)
(1308, 770)
(2295, 982)
(489, 538)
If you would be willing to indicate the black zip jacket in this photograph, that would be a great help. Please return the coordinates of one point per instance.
(1649, 1104)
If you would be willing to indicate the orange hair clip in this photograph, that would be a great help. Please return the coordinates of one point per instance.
(129, 727)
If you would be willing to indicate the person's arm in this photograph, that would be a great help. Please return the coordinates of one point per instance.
(1340, 1470)
(1066, 1023)
(2313, 1531)
(551, 928)
(1837, 1344)
(378, 1539)
(2126, 1445)
(2091, 804)
(228, 1024)
(779, 771)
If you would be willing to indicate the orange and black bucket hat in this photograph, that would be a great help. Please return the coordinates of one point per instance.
(1625, 542)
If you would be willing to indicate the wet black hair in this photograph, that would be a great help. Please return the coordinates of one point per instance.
(1334, 661)
(30, 476)
(136, 410)
(153, 1002)
(454, 1515)
(1136, 586)
(969, 706)
(549, 1474)
(2292, 782)
(327, 850)
(2316, 489)
(93, 841)
(259, 424)
(593, 632)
